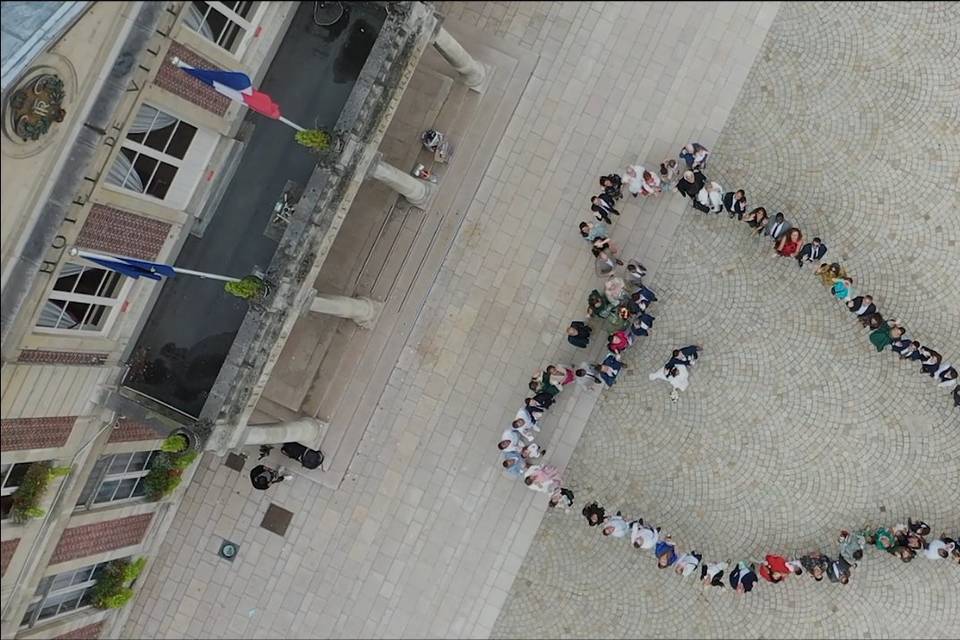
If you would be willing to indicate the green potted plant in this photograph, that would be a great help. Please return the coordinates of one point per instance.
(175, 443)
(29, 495)
(166, 471)
(315, 139)
(248, 288)
(114, 586)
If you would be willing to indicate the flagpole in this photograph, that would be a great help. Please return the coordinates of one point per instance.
(291, 124)
(80, 253)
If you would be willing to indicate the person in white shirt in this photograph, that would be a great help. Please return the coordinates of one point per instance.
(642, 536)
(615, 526)
(711, 573)
(687, 563)
(532, 451)
(510, 441)
(939, 549)
(649, 184)
(677, 376)
(946, 376)
(710, 198)
(633, 178)
(524, 428)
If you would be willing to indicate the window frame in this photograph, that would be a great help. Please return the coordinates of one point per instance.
(45, 591)
(249, 26)
(111, 304)
(105, 476)
(189, 169)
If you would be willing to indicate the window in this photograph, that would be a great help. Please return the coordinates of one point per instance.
(152, 153)
(117, 477)
(82, 299)
(63, 593)
(226, 24)
(11, 475)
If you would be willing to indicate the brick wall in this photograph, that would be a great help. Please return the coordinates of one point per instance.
(88, 539)
(7, 547)
(118, 232)
(89, 632)
(186, 86)
(39, 356)
(17, 434)
(130, 431)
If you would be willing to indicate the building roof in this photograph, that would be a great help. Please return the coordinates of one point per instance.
(27, 29)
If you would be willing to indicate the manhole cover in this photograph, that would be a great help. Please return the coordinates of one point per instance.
(276, 520)
(235, 462)
(228, 550)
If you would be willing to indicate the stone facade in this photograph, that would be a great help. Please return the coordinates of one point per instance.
(115, 57)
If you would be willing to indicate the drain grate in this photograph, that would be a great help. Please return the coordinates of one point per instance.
(235, 462)
(276, 520)
(228, 550)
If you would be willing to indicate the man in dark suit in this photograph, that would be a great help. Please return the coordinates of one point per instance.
(602, 205)
(691, 183)
(811, 251)
(862, 307)
(735, 202)
(777, 227)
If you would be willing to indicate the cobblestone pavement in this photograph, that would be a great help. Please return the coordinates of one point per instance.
(793, 426)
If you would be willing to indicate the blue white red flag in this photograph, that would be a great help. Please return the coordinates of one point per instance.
(235, 85)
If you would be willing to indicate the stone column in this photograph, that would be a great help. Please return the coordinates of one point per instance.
(416, 191)
(472, 73)
(363, 311)
(305, 430)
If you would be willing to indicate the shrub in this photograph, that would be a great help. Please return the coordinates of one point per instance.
(175, 443)
(247, 288)
(113, 589)
(316, 139)
(29, 495)
(166, 474)
(184, 460)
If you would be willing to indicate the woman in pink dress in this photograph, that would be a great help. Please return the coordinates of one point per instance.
(542, 477)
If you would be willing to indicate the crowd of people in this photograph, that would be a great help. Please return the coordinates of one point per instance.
(622, 305)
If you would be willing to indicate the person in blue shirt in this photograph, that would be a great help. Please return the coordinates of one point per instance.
(610, 369)
(513, 464)
(666, 552)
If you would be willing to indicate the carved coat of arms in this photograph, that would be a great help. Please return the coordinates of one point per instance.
(36, 105)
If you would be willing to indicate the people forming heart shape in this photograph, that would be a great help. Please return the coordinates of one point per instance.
(622, 306)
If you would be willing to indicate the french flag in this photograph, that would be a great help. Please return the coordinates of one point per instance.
(235, 85)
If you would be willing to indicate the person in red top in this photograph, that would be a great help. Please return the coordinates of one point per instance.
(775, 568)
(789, 244)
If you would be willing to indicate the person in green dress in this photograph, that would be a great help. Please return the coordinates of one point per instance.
(885, 334)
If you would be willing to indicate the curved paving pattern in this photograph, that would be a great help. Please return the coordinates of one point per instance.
(793, 426)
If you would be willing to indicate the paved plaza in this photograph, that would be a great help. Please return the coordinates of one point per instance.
(843, 116)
